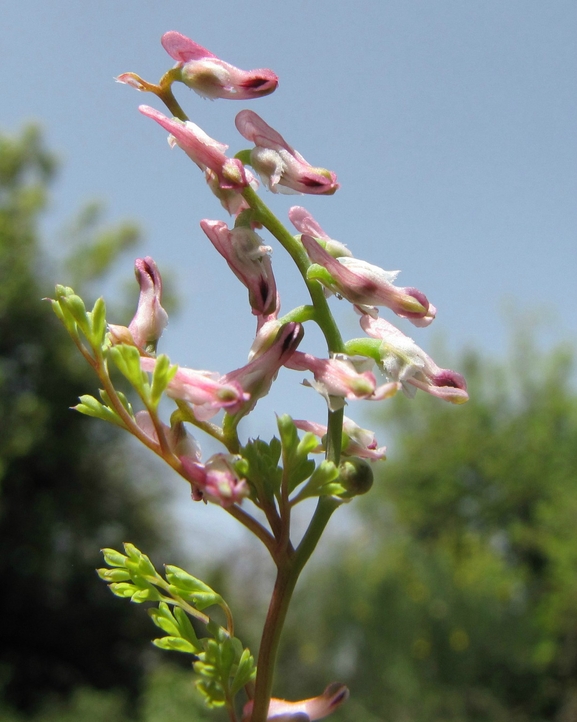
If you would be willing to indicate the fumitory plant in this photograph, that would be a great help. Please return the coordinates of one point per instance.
(251, 475)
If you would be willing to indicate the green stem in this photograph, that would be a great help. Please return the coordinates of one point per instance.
(283, 589)
(167, 97)
(289, 568)
(325, 508)
(289, 563)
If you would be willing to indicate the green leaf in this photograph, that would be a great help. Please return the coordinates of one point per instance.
(114, 558)
(174, 644)
(184, 581)
(63, 312)
(75, 305)
(297, 466)
(210, 690)
(245, 672)
(185, 627)
(124, 401)
(123, 589)
(148, 594)
(89, 406)
(288, 435)
(113, 575)
(138, 563)
(127, 359)
(162, 375)
(264, 474)
(98, 323)
(163, 618)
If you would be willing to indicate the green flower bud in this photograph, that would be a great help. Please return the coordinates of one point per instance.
(356, 475)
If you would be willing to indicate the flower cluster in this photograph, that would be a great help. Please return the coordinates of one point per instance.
(342, 376)
(273, 476)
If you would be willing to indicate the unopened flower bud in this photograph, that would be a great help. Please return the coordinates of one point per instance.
(150, 319)
(356, 475)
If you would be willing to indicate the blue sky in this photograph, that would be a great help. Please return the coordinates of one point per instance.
(450, 125)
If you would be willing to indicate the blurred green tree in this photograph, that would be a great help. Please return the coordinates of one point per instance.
(456, 597)
(65, 488)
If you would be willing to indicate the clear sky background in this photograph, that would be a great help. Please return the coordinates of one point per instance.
(451, 126)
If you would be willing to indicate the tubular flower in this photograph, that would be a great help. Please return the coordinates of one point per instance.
(355, 441)
(305, 223)
(366, 285)
(150, 318)
(210, 76)
(257, 376)
(217, 480)
(402, 360)
(249, 260)
(206, 391)
(206, 152)
(341, 377)
(280, 167)
(307, 709)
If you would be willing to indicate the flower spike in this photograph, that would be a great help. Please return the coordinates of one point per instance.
(402, 360)
(281, 168)
(366, 285)
(212, 77)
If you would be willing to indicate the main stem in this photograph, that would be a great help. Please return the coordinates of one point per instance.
(289, 563)
(284, 586)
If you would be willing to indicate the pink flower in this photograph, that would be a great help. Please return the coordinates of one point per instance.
(150, 319)
(366, 285)
(402, 360)
(210, 76)
(216, 480)
(281, 168)
(355, 441)
(341, 377)
(206, 152)
(307, 709)
(249, 260)
(206, 391)
(305, 223)
(258, 375)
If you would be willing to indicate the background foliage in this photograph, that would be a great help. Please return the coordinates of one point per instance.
(457, 597)
(61, 497)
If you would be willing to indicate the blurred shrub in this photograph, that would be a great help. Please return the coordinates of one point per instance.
(455, 598)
